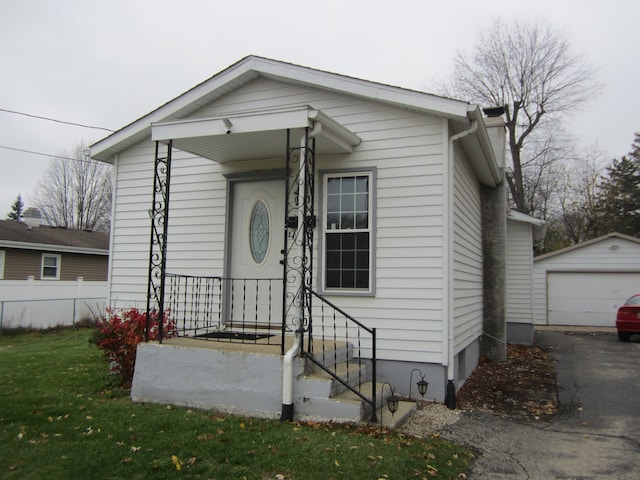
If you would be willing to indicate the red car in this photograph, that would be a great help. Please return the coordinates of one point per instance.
(628, 319)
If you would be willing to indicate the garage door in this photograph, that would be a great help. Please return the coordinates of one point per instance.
(589, 299)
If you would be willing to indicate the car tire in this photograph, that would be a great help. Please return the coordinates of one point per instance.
(624, 336)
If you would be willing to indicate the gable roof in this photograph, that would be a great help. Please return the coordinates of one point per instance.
(18, 235)
(461, 114)
(586, 243)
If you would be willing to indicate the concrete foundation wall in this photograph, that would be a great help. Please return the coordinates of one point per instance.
(236, 382)
(520, 333)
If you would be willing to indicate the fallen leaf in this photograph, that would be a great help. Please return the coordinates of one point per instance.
(126, 460)
(135, 449)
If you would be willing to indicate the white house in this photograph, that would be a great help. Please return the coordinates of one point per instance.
(584, 284)
(287, 197)
(522, 230)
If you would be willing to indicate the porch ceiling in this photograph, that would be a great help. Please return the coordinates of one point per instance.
(254, 135)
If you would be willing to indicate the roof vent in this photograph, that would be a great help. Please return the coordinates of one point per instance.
(32, 217)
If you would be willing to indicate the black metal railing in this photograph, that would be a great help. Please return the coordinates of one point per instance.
(344, 348)
(241, 310)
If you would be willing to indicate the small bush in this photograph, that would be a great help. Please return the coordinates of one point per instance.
(118, 336)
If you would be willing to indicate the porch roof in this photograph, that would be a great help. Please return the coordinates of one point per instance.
(253, 134)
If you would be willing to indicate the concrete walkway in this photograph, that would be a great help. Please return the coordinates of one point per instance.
(597, 433)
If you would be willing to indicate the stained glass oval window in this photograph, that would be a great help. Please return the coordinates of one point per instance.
(259, 231)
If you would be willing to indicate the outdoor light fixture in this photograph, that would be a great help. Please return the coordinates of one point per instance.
(422, 384)
(227, 125)
(393, 401)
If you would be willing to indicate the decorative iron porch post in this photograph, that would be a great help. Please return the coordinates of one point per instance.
(299, 226)
(159, 214)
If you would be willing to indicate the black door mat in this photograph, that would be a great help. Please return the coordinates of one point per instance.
(234, 336)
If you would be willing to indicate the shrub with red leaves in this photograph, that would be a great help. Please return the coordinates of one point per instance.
(118, 335)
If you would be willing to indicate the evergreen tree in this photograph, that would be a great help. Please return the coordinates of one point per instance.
(16, 209)
(620, 194)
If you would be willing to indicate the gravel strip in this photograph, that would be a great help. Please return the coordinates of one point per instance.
(429, 419)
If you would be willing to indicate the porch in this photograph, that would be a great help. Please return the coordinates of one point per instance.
(265, 297)
(246, 379)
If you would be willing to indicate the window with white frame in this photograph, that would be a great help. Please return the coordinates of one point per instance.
(347, 229)
(2, 254)
(50, 267)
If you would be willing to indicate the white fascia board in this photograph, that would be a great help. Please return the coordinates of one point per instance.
(491, 164)
(142, 126)
(52, 248)
(361, 88)
(523, 217)
(244, 123)
(335, 131)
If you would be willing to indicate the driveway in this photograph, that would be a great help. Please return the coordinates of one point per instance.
(595, 436)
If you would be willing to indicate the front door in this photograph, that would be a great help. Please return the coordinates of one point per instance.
(257, 239)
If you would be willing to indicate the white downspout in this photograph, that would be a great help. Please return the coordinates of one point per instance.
(450, 399)
(294, 351)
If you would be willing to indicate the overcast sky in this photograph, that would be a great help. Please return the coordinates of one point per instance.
(106, 63)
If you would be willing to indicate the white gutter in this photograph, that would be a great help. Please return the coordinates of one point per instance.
(294, 351)
(450, 399)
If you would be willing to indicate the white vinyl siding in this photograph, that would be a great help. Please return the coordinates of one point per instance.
(467, 254)
(404, 147)
(519, 286)
(609, 255)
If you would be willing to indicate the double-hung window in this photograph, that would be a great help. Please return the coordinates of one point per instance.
(348, 231)
(50, 267)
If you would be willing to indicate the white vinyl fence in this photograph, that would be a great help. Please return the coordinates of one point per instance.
(43, 304)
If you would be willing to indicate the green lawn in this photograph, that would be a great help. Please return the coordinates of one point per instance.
(60, 418)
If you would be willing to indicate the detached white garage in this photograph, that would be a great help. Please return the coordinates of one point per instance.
(585, 284)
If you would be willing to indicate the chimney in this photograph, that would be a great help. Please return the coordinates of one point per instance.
(497, 133)
(32, 217)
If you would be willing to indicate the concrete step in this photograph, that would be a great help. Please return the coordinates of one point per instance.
(330, 355)
(393, 421)
(321, 384)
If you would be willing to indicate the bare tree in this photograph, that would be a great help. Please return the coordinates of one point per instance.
(75, 192)
(578, 201)
(533, 71)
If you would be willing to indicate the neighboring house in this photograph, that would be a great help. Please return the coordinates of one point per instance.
(522, 230)
(396, 214)
(584, 284)
(50, 276)
(51, 253)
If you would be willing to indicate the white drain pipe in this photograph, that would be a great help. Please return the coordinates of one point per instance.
(287, 378)
(294, 351)
(450, 398)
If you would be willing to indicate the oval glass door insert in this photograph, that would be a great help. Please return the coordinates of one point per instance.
(259, 231)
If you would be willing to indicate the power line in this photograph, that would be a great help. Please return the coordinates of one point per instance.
(50, 155)
(55, 120)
